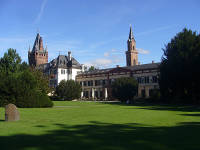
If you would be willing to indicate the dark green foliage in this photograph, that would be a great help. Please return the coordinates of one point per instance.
(92, 68)
(68, 90)
(154, 95)
(21, 85)
(179, 69)
(124, 89)
(10, 63)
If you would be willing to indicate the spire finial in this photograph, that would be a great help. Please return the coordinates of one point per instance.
(131, 33)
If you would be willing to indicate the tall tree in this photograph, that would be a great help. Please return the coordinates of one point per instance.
(10, 62)
(179, 69)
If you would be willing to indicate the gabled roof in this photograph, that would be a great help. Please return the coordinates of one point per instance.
(63, 61)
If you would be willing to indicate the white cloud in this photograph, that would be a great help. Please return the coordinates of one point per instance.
(100, 62)
(113, 50)
(43, 4)
(142, 51)
(106, 54)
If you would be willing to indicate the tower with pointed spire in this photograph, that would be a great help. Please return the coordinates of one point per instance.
(131, 53)
(38, 55)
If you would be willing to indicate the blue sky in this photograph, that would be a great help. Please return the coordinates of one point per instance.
(96, 31)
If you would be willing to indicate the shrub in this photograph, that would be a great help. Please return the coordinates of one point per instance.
(34, 99)
(124, 89)
(68, 90)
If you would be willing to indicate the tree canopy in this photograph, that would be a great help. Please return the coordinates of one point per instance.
(179, 69)
(92, 68)
(22, 85)
(68, 90)
(124, 88)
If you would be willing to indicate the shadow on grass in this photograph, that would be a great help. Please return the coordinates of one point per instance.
(195, 115)
(106, 136)
(155, 106)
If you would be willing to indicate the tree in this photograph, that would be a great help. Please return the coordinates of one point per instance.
(68, 90)
(92, 68)
(21, 85)
(10, 63)
(179, 69)
(124, 88)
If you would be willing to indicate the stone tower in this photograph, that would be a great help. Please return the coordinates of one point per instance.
(131, 53)
(38, 55)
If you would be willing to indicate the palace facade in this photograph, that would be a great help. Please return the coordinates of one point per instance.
(97, 84)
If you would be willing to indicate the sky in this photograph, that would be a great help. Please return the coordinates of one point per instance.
(95, 31)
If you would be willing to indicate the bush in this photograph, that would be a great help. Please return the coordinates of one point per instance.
(22, 90)
(68, 90)
(34, 99)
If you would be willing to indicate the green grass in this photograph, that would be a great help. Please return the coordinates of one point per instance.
(99, 126)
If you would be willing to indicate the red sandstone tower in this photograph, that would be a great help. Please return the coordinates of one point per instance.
(131, 53)
(38, 55)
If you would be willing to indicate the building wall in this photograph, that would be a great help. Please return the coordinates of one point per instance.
(74, 73)
(97, 83)
(60, 74)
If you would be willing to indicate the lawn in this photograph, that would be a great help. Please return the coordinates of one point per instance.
(100, 126)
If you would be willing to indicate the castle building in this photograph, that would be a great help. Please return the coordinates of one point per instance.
(64, 67)
(38, 55)
(97, 84)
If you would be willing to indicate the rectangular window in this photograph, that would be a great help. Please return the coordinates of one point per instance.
(154, 79)
(96, 94)
(146, 79)
(103, 82)
(139, 80)
(62, 71)
(97, 82)
(101, 93)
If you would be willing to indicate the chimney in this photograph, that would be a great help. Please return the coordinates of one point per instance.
(138, 63)
(69, 55)
(82, 67)
(152, 61)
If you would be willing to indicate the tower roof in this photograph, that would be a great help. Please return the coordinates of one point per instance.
(38, 44)
(131, 34)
